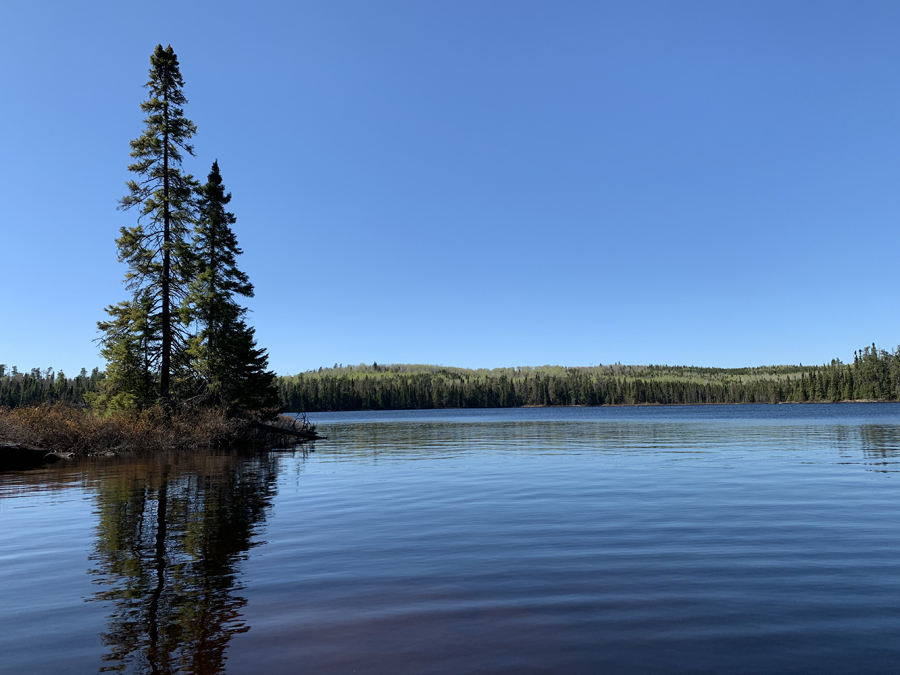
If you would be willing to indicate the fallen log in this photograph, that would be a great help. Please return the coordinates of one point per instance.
(16, 456)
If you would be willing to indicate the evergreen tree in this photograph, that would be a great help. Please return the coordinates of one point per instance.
(126, 347)
(225, 354)
(148, 329)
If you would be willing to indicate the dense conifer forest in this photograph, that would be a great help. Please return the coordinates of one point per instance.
(873, 375)
(40, 385)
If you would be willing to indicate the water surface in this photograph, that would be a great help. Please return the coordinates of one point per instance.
(579, 540)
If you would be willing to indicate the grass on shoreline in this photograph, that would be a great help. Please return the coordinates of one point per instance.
(61, 427)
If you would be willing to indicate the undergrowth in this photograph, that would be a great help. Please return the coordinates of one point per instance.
(61, 427)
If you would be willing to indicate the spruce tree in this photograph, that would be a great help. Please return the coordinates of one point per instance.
(148, 329)
(126, 347)
(224, 352)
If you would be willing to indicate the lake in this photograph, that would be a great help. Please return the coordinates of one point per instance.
(738, 539)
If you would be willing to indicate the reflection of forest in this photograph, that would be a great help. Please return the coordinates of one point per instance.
(881, 440)
(170, 539)
(437, 438)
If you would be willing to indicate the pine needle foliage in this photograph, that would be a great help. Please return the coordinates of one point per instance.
(234, 371)
(146, 333)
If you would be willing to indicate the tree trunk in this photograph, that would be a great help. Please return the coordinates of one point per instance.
(165, 366)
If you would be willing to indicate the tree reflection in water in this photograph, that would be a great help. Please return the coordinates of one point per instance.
(170, 539)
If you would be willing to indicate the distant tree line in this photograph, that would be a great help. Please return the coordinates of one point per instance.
(45, 386)
(873, 375)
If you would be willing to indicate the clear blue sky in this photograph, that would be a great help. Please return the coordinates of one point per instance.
(477, 184)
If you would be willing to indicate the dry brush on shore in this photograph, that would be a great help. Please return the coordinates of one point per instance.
(65, 428)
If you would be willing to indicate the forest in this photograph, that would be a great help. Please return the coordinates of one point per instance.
(872, 375)
(40, 385)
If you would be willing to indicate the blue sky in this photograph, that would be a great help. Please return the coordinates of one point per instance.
(477, 184)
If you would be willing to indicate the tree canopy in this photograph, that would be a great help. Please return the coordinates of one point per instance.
(225, 355)
(181, 335)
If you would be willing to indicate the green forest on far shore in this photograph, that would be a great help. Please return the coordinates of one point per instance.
(873, 375)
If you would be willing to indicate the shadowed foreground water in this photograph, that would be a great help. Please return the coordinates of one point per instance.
(713, 539)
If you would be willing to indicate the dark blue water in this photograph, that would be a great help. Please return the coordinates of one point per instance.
(744, 539)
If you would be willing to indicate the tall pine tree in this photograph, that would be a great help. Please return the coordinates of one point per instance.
(224, 352)
(147, 331)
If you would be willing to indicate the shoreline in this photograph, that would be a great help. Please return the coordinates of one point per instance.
(672, 405)
(32, 436)
(603, 405)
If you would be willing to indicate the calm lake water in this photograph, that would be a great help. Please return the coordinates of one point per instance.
(738, 539)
